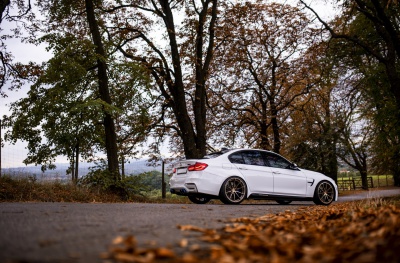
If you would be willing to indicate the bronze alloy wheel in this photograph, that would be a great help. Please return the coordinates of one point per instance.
(324, 193)
(233, 191)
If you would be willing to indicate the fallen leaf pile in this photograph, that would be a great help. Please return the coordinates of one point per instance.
(346, 232)
(126, 250)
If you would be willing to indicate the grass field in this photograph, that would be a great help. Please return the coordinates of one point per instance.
(353, 181)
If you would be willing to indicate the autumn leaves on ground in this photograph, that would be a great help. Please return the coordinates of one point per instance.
(362, 231)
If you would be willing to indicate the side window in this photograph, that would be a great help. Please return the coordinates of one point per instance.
(236, 158)
(276, 161)
(253, 158)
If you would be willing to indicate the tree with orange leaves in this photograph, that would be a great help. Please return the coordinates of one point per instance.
(260, 70)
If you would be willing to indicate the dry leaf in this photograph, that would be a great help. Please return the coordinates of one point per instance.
(344, 232)
(184, 242)
(164, 253)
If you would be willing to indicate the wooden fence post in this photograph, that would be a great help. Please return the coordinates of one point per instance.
(163, 185)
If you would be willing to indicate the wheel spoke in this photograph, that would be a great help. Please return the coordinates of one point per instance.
(325, 193)
(235, 190)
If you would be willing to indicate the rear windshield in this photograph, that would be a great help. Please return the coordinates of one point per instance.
(216, 154)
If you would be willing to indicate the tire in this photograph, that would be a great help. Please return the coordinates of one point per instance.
(199, 200)
(324, 193)
(283, 202)
(233, 191)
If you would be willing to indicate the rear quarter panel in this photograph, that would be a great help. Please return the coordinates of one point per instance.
(211, 179)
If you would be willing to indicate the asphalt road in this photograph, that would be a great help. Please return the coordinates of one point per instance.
(79, 232)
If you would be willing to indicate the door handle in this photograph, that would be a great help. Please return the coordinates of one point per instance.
(276, 172)
(241, 168)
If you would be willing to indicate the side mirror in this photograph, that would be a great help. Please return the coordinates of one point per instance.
(293, 166)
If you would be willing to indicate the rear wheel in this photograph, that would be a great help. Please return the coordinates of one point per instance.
(233, 191)
(283, 202)
(324, 193)
(199, 200)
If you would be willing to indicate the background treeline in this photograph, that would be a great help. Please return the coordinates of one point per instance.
(205, 74)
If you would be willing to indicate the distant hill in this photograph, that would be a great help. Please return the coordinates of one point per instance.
(134, 167)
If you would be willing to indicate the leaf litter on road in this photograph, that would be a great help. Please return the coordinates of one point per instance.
(346, 232)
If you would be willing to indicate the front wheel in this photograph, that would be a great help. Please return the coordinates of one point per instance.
(233, 191)
(199, 200)
(324, 193)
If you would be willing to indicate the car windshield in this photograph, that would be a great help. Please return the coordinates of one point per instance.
(216, 154)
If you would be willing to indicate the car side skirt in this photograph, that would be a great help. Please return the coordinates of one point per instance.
(279, 197)
(183, 192)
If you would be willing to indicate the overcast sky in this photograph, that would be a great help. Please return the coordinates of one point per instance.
(13, 155)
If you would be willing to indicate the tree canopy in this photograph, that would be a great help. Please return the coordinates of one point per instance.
(211, 73)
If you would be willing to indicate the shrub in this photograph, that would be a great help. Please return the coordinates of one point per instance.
(127, 188)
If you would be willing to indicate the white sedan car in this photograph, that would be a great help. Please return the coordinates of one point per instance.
(234, 175)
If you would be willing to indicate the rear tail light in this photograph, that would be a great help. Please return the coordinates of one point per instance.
(197, 167)
(174, 171)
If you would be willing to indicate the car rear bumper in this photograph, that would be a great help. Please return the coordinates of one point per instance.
(188, 188)
(196, 183)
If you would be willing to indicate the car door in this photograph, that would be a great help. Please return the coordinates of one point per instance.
(252, 166)
(288, 180)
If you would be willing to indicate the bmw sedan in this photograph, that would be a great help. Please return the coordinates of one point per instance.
(235, 175)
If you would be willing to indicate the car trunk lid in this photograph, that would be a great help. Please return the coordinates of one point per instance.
(181, 167)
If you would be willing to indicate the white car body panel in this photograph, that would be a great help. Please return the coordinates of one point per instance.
(260, 180)
(289, 182)
(208, 181)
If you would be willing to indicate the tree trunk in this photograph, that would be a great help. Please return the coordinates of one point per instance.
(76, 162)
(396, 168)
(275, 128)
(3, 5)
(332, 158)
(108, 121)
(188, 135)
(364, 179)
(193, 135)
(200, 118)
(394, 80)
(330, 141)
(123, 166)
(72, 166)
(265, 145)
(177, 90)
(203, 60)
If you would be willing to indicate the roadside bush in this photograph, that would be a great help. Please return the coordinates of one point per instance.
(97, 186)
(127, 188)
(22, 189)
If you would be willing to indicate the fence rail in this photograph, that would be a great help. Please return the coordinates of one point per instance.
(354, 183)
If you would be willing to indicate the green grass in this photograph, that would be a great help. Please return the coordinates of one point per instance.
(378, 180)
(382, 180)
